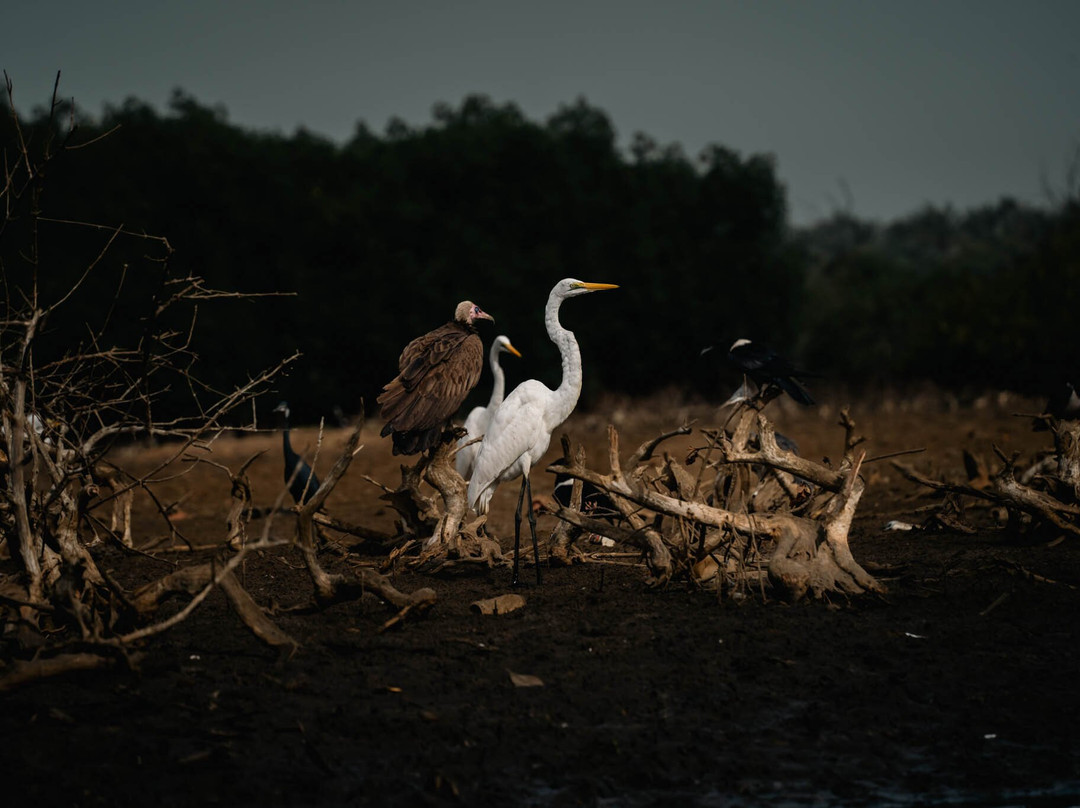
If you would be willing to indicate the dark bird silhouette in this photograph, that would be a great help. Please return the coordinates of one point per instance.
(299, 477)
(1064, 405)
(435, 374)
(766, 367)
(520, 431)
(594, 500)
(786, 443)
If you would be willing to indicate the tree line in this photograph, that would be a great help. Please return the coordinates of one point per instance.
(377, 238)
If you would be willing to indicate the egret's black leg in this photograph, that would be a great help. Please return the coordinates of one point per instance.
(517, 532)
(532, 527)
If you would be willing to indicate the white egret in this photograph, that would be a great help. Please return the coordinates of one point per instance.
(520, 431)
(476, 423)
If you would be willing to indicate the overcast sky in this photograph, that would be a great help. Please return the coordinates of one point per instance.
(868, 106)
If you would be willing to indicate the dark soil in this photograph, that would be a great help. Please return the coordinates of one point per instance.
(959, 687)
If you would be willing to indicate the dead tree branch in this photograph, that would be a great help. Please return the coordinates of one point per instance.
(1047, 498)
(66, 403)
(336, 587)
(807, 555)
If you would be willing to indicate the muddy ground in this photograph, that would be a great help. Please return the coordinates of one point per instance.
(959, 687)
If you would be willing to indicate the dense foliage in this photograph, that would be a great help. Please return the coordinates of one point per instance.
(380, 236)
(984, 298)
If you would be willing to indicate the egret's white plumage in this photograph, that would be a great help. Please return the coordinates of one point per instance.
(520, 430)
(476, 424)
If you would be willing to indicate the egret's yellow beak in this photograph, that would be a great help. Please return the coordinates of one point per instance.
(599, 287)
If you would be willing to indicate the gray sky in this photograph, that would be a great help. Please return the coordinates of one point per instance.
(900, 103)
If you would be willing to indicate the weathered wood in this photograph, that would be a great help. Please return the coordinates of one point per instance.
(1067, 446)
(240, 512)
(1021, 497)
(807, 556)
(444, 478)
(336, 587)
(23, 672)
(254, 617)
(360, 531)
(562, 538)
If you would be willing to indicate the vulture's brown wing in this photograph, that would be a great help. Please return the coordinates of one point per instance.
(437, 371)
(431, 350)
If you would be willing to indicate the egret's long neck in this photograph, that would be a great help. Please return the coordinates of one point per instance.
(499, 388)
(566, 396)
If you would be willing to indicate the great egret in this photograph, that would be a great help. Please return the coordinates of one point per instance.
(299, 477)
(520, 431)
(766, 367)
(476, 423)
(436, 372)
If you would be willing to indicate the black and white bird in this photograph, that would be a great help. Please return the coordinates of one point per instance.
(594, 500)
(1064, 405)
(299, 477)
(765, 367)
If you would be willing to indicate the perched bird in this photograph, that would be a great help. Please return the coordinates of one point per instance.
(436, 372)
(299, 477)
(766, 367)
(1064, 405)
(786, 443)
(594, 500)
(520, 431)
(476, 423)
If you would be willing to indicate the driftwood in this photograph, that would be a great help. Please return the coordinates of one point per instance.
(336, 587)
(368, 534)
(562, 537)
(63, 408)
(1067, 449)
(443, 538)
(237, 520)
(638, 531)
(329, 588)
(198, 581)
(417, 510)
(1044, 497)
(123, 496)
(435, 526)
(86, 598)
(23, 672)
(711, 540)
(442, 475)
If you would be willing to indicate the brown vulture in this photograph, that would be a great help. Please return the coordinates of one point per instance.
(436, 372)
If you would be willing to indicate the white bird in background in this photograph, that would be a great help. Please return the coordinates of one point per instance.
(520, 431)
(479, 418)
